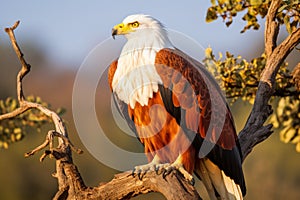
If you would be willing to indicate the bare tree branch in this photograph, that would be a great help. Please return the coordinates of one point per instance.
(254, 129)
(70, 183)
(278, 55)
(25, 66)
(272, 27)
(14, 113)
(173, 186)
(60, 130)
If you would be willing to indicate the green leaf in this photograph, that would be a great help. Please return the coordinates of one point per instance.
(228, 23)
(296, 140)
(282, 8)
(19, 137)
(288, 135)
(255, 2)
(17, 130)
(298, 147)
(286, 20)
(61, 111)
(211, 15)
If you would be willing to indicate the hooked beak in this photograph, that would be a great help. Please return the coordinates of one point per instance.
(114, 32)
(120, 29)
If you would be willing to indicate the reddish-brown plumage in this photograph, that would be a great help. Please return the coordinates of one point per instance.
(111, 72)
(160, 133)
(192, 90)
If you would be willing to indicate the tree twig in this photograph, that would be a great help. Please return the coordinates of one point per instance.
(25, 66)
(278, 55)
(14, 113)
(272, 27)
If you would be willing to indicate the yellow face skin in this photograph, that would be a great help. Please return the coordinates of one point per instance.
(123, 29)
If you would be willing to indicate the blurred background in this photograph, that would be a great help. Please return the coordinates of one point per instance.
(56, 36)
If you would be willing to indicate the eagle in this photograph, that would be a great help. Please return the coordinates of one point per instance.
(176, 109)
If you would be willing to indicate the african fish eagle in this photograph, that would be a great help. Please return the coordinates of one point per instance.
(175, 106)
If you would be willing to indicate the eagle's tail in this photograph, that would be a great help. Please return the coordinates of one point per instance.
(218, 185)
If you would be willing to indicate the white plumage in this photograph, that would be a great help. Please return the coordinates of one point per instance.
(135, 80)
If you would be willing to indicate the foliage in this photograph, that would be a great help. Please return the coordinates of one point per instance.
(288, 119)
(239, 79)
(288, 14)
(31, 121)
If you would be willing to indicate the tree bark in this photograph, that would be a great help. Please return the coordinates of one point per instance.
(254, 130)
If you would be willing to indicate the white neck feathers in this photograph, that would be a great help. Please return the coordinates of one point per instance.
(136, 78)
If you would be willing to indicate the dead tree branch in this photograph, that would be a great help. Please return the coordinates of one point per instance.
(70, 183)
(63, 152)
(173, 186)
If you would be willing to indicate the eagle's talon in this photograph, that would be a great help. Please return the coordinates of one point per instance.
(159, 170)
(141, 170)
(141, 175)
(167, 168)
(186, 174)
(164, 173)
(167, 171)
(133, 172)
(192, 182)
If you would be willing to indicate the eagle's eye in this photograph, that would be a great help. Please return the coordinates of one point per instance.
(135, 24)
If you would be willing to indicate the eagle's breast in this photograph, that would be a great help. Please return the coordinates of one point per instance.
(136, 78)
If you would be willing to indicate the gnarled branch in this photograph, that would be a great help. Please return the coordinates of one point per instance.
(70, 183)
(272, 27)
(60, 130)
(254, 129)
(173, 186)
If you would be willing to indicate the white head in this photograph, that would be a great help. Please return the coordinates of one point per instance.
(136, 78)
(140, 26)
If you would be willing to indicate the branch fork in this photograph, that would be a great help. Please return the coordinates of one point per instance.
(58, 154)
(62, 153)
(254, 130)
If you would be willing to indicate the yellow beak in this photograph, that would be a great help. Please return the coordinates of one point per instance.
(120, 29)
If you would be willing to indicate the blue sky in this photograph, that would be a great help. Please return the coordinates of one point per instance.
(68, 30)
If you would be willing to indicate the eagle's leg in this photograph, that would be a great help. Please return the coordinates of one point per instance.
(141, 170)
(177, 165)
